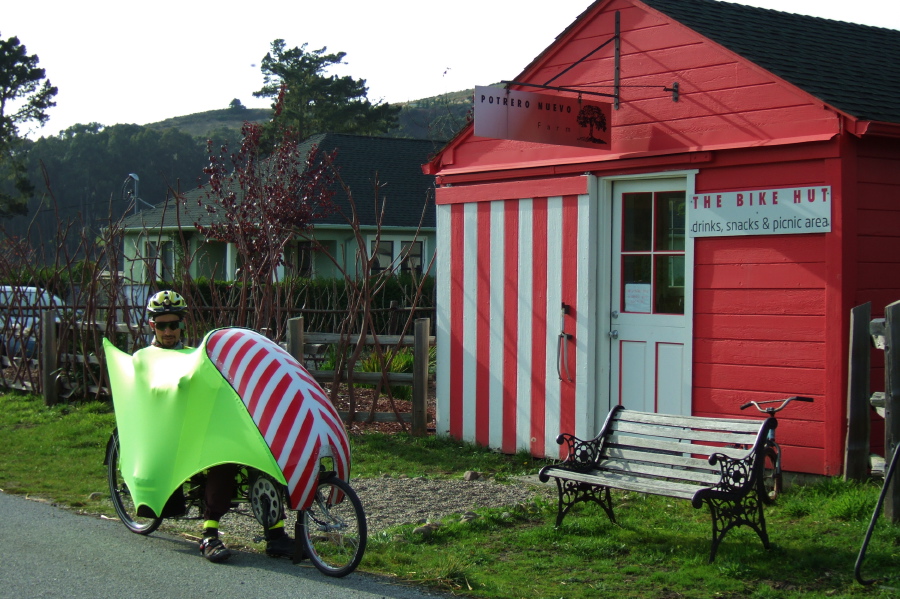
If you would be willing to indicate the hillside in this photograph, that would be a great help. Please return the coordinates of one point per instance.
(437, 118)
(202, 124)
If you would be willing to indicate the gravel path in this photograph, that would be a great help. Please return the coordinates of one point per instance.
(392, 501)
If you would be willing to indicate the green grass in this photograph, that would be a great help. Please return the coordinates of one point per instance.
(658, 550)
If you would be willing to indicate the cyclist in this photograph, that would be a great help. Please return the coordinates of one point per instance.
(166, 311)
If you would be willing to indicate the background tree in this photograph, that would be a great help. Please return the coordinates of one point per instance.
(84, 168)
(309, 101)
(25, 96)
(260, 203)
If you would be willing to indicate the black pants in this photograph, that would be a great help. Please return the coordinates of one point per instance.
(220, 490)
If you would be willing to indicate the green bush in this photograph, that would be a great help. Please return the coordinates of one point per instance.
(400, 360)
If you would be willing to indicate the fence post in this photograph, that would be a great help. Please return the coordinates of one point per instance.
(891, 403)
(422, 331)
(295, 339)
(48, 357)
(856, 457)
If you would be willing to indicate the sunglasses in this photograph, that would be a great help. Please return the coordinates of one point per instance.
(172, 326)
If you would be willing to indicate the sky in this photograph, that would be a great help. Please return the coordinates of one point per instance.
(140, 62)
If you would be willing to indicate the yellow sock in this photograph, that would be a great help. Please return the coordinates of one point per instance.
(211, 528)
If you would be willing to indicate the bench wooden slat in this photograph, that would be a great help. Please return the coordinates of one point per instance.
(685, 433)
(704, 478)
(676, 446)
(664, 460)
(715, 424)
(629, 483)
(668, 459)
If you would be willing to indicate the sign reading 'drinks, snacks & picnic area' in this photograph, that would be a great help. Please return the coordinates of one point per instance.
(791, 210)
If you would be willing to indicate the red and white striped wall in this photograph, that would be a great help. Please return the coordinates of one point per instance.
(505, 267)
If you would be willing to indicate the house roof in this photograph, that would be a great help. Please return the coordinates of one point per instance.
(854, 68)
(396, 163)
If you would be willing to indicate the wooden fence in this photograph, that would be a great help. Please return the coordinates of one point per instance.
(302, 345)
(884, 334)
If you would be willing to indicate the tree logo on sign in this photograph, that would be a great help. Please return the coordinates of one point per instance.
(592, 117)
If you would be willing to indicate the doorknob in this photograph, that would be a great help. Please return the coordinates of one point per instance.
(614, 334)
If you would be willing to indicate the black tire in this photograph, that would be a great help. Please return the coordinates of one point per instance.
(772, 473)
(120, 496)
(333, 529)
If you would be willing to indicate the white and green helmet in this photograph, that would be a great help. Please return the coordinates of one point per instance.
(166, 302)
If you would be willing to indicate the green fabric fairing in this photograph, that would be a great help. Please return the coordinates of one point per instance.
(177, 416)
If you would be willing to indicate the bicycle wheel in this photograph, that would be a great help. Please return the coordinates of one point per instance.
(772, 472)
(266, 499)
(121, 497)
(333, 529)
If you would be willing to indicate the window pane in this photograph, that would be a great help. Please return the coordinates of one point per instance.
(167, 255)
(670, 213)
(303, 264)
(637, 225)
(412, 261)
(669, 294)
(384, 254)
(636, 283)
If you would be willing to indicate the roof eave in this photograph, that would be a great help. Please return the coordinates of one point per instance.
(876, 129)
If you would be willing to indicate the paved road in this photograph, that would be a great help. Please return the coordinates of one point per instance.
(49, 552)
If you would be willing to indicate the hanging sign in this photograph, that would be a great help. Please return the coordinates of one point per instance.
(787, 211)
(542, 118)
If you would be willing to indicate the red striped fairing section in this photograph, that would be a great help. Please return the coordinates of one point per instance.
(290, 409)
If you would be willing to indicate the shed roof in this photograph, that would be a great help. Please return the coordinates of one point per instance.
(854, 68)
(395, 162)
(851, 67)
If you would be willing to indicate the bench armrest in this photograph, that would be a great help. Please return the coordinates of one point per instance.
(580, 455)
(737, 478)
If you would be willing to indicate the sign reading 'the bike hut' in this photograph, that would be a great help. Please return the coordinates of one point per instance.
(788, 211)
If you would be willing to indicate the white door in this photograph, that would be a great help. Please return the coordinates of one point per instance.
(649, 332)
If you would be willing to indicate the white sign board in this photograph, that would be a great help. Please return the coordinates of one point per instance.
(542, 118)
(788, 211)
(638, 297)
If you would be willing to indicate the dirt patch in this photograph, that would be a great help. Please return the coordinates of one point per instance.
(364, 399)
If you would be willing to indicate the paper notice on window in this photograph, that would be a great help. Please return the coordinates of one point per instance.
(638, 297)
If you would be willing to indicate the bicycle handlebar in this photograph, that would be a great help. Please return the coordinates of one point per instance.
(784, 403)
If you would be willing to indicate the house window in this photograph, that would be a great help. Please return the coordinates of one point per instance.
(167, 260)
(302, 263)
(383, 252)
(160, 260)
(411, 255)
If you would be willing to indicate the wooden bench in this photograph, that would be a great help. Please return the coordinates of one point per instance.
(713, 461)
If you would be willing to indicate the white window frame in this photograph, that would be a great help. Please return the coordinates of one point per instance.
(398, 242)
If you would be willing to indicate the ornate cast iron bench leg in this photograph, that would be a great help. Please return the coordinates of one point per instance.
(572, 492)
(728, 514)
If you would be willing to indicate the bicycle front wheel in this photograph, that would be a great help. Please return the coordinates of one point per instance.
(333, 529)
(772, 473)
(121, 497)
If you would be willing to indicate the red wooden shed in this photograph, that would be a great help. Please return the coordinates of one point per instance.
(701, 247)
